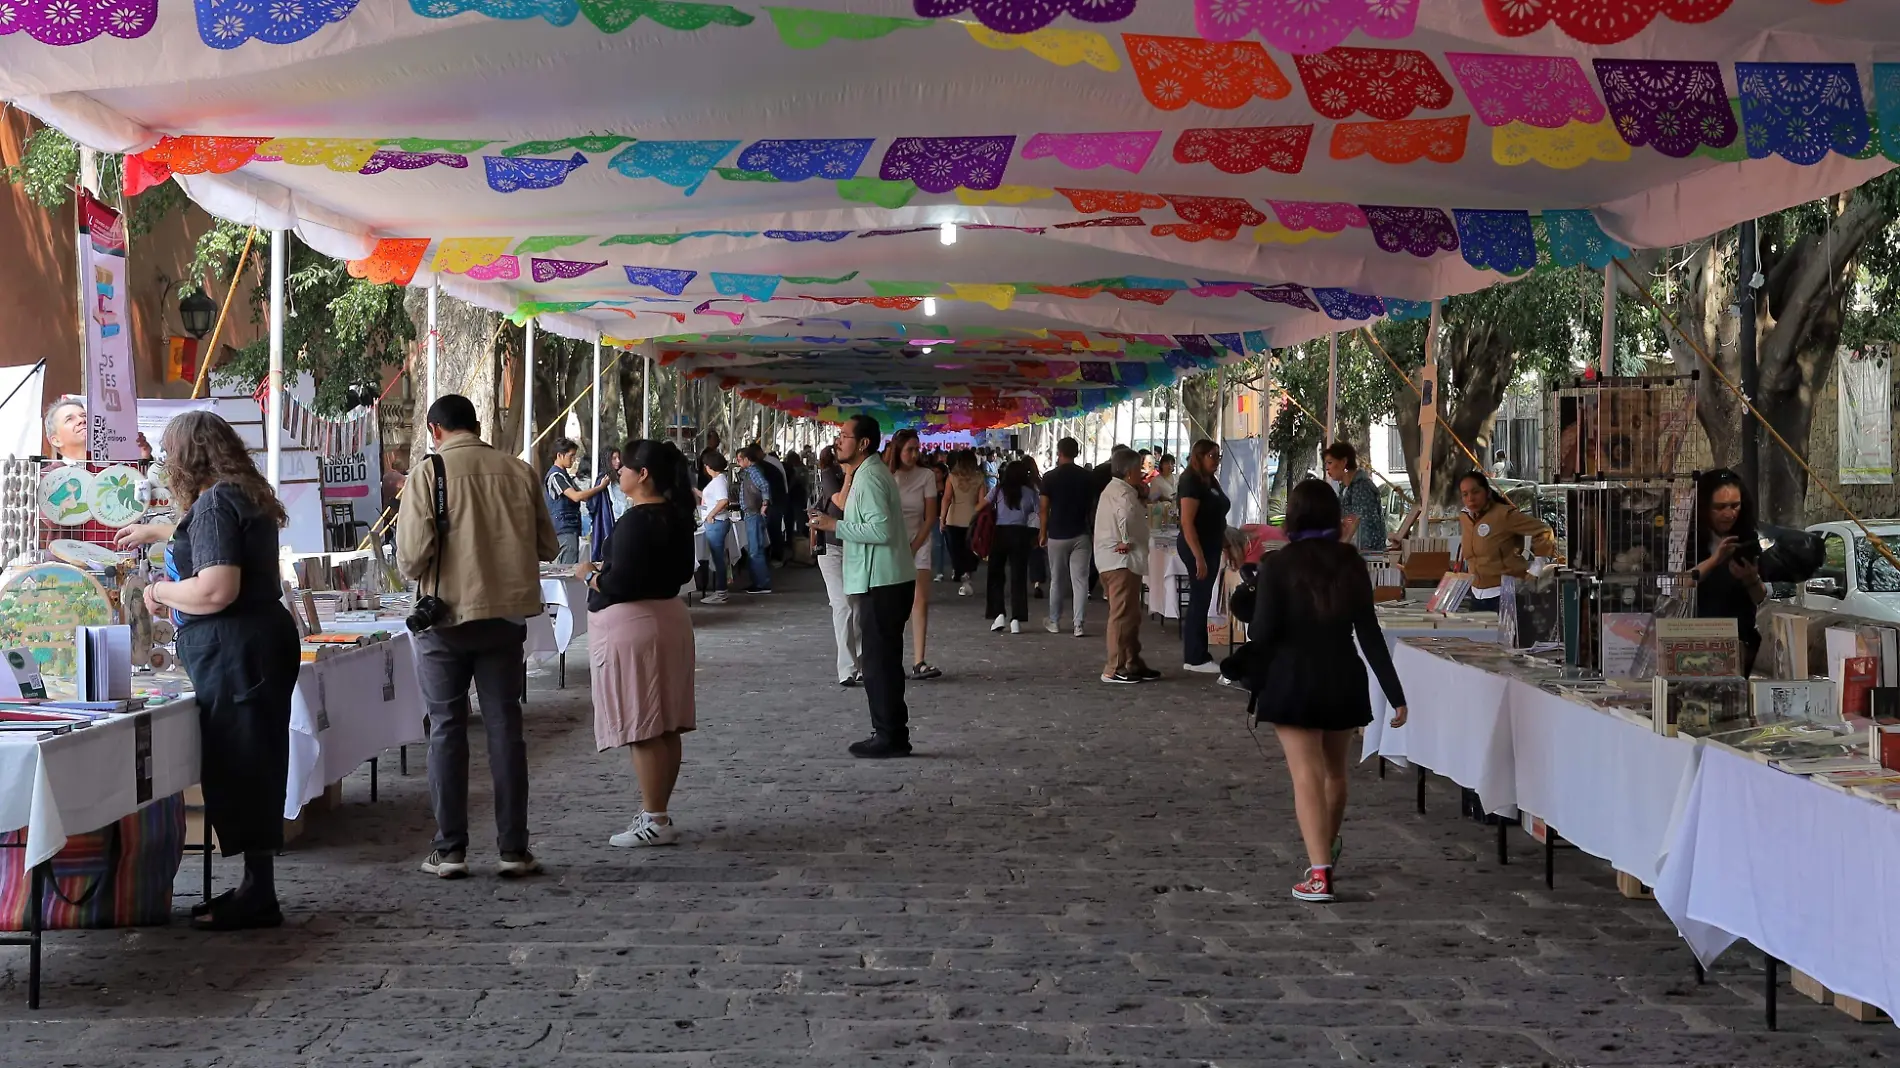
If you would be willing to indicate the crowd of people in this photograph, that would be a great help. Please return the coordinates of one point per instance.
(887, 520)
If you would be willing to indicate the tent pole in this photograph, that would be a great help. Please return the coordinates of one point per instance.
(646, 401)
(1264, 421)
(274, 416)
(1606, 358)
(593, 457)
(1332, 388)
(527, 397)
(434, 289)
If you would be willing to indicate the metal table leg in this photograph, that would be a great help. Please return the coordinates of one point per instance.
(1381, 767)
(402, 754)
(373, 762)
(1504, 842)
(1772, 968)
(1420, 768)
(563, 671)
(1550, 858)
(35, 936)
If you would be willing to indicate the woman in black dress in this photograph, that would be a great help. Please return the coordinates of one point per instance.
(1202, 542)
(239, 646)
(1309, 681)
(1728, 581)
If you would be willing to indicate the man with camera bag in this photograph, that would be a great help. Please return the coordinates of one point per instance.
(473, 526)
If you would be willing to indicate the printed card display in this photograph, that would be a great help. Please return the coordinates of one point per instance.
(1697, 647)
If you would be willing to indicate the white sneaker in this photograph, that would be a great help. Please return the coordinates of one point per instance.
(644, 832)
(1015, 626)
(936, 578)
(1209, 668)
(963, 590)
(715, 598)
(999, 623)
(1052, 626)
(1078, 631)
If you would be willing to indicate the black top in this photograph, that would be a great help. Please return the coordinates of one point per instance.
(1210, 521)
(649, 557)
(1307, 671)
(565, 511)
(1720, 595)
(830, 483)
(776, 480)
(223, 527)
(1071, 493)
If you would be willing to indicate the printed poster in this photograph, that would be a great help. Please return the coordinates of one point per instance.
(112, 406)
(1863, 384)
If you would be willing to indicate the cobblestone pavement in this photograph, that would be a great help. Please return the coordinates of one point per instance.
(1067, 874)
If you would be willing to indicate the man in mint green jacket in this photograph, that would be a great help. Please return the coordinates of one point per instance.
(880, 571)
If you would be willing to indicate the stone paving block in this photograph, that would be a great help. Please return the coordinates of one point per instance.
(228, 1037)
(595, 1004)
(1432, 1045)
(1696, 1050)
(446, 1037)
(873, 1005)
(685, 1035)
(1054, 1008)
(846, 1039)
(1206, 1043)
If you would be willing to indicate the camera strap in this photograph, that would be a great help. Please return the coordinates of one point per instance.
(441, 516)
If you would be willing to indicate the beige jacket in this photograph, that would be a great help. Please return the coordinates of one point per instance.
(961, 495)
(1121, 518)
(499, 530)
(1493, 544)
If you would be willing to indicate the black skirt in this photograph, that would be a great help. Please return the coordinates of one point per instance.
(244, 669)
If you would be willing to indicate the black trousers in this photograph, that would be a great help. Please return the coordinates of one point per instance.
(962, 561)
(244, 668)
(1010, 551)
(883, 614)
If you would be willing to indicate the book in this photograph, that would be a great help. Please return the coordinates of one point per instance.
(102, 664)
(1790, 631)
(1451, 592)
(1699, 705)
(1624, 635)
(1862, 777)
(1824, 765)
(1858, 676)
(1697, 647)
(1883, 745)
(1794, 700)
(1887, 793)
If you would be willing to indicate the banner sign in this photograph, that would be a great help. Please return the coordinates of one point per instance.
(111, 389)
(1864, 386)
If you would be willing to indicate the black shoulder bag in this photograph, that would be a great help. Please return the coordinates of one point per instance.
(430, 610)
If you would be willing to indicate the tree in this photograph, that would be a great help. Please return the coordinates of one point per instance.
(1367, 387)
(1815, 258)
(1544, 323)
(342, 331)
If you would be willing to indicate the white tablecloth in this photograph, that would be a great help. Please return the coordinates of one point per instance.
(86, 779)
(1381, 708)
(340, 717)
(1164, 562)
(566, 598)
(1612, 788)
(1459, 726)
(1806, 873)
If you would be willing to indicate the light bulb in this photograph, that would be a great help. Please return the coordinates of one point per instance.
(930, 305)
(948, 233)
(927, 350)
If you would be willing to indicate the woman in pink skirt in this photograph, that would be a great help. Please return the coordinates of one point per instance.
(640, 638)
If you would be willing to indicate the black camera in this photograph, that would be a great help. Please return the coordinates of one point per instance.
(430, 610)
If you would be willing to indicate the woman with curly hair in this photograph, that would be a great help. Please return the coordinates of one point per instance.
(239, 646)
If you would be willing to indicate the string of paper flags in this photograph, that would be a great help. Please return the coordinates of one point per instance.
(1302, 29)
(320, 434)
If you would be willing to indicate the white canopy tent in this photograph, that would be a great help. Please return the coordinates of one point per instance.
(746, 184)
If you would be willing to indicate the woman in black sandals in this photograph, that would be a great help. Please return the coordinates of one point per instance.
(1309, 681)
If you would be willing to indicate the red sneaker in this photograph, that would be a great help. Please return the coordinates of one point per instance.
(1317, 887)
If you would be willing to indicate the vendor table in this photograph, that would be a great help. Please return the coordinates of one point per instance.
(1804, 872)
(347, 708)
(566, 600)
(81, 781)
(1381, 708)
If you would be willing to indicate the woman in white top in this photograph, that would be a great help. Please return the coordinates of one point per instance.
(917, 485)
(716, 495)
(1161, 487)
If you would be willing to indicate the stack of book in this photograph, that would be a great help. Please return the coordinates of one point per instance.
(1699, 688)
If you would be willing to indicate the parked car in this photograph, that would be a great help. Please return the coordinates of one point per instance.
(1854, 578)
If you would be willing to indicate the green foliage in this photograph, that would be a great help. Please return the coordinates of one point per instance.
(343, 331)
(48, 168)
(48, 172)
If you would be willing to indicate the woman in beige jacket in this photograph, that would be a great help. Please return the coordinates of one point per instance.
(1492, 533)
(962, 492)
